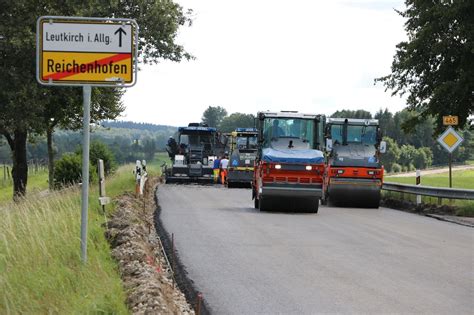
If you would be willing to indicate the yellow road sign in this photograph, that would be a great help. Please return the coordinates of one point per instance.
(450, 120)
(450, 139)
(79, 51)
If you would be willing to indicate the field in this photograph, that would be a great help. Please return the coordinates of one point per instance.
(37, 181)
(461, 179)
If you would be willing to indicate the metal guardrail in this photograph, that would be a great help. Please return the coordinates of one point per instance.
(439, 192)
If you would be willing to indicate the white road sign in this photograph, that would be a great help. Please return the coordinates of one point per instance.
(93, 51)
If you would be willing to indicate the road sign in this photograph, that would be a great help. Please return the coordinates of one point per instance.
(92, 51)
(450, 120)
(450, 139)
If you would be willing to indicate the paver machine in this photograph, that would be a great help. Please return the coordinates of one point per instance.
(243, 151)
(354, 174)
(289, 166)
(193, 154)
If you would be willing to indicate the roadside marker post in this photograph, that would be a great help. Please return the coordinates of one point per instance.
(86, 52)
(418, 182)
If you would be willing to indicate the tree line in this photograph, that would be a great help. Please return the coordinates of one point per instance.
(408, 149)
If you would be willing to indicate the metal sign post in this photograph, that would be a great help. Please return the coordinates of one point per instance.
(85, 169)
(86, 51)
(450, 170)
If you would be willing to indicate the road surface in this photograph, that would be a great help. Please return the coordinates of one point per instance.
(341, 260)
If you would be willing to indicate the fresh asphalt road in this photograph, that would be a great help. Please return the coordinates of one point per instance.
(341, 260)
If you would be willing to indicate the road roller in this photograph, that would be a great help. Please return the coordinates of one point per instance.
(354, 174)
(289, 166)
(243, 151)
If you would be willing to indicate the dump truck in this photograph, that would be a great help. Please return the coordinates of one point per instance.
(242, 154)
(192, 155)
(289, 166)
(354, 174)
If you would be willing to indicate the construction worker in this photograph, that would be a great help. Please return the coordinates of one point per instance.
(223, 167)
(216, 168)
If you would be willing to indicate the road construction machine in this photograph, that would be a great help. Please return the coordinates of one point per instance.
(243, 151)
(193, 155)
(289, 165)
(354, 174)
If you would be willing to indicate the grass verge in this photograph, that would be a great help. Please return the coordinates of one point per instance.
(40, 266)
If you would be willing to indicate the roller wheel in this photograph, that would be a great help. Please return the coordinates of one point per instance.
(262, 205)
(312, 207)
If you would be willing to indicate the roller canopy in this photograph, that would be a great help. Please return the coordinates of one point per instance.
(292, 156)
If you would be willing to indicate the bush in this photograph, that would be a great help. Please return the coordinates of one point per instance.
(99, 150)
(67, 170)
(396, 168)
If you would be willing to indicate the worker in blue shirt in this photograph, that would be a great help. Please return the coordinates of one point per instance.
(216, 168)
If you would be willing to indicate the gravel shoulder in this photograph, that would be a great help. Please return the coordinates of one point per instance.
(143, 267)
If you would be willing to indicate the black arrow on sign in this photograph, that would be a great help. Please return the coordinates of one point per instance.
(120, 31)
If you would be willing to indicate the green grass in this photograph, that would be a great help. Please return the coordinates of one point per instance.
(37, 181)
(154, 167)
(40, 267)
(461, 179)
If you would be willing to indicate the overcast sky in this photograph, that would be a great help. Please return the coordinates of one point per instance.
(313, 56)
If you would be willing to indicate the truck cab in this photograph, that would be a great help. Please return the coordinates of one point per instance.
(243, 151)
(354, 174)
(289, 165)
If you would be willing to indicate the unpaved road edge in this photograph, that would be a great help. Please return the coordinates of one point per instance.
(142, 265)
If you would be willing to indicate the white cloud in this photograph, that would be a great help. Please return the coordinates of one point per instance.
(311, 56)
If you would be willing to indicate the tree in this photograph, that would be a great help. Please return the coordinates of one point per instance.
(23, 101)
(213, 115)
(407, 153)
(436, 65)
(99, 150)
(149, 149)
(237, 120)
(423, 158)
(392, 155)
(62, 108)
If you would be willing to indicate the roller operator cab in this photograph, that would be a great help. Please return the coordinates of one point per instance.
(193, 154)
(354, 174)
(243, 151)
(289, 166)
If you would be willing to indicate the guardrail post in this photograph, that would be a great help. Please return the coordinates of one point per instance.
(198, 304)
(418, 182)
